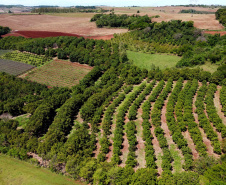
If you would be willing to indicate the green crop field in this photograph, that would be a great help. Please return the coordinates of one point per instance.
(14, 171)
(59, 73)
(147, 61)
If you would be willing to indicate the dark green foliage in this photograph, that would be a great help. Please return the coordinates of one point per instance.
(4, 30)
(113, 20)
(216, 173)
(130, 134)
(145, 176)
(221, 15)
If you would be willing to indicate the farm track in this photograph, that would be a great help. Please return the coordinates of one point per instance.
(167, 134)
(218, 105)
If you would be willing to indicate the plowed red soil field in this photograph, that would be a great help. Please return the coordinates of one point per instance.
(43, 34)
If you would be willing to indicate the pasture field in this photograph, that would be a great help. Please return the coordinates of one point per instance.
(16, 172)
(58, 73)
(14, 68)
(146, 61)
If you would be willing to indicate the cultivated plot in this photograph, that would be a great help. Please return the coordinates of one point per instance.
(14, 68)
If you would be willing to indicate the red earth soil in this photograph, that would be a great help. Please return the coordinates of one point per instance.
(44, 34)
(215, 32)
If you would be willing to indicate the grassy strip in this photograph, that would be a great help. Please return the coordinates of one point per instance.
(14, 171)
(147, 61)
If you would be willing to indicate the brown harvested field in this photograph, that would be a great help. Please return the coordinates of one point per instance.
(167, 13)
(80, 25)
(58, 73)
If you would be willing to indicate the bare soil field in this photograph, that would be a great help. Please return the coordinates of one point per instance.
(167, 13)
(79, 23)
(43, 34)
(74, 25)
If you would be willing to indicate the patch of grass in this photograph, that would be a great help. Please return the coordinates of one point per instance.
(23, 120)
(208, 67)
(2, 52)
(146, 61)
(58, 73)
(177, 164)
(16, 172)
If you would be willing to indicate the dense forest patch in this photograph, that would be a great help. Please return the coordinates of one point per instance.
(221, 16)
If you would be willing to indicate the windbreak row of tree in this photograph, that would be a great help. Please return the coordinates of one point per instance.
(125, 21)
(159, 132)
(196, 11)
(83, 9)
(91, 52)
(175, 125)
(221, 16)
(203, 120)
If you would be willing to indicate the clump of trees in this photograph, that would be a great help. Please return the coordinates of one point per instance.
(196, 11)
(124, 20)
(221, 16)
(4, 30)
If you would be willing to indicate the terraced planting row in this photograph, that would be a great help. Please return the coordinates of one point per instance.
(180, 136)
(160, 125)
(28, 58)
